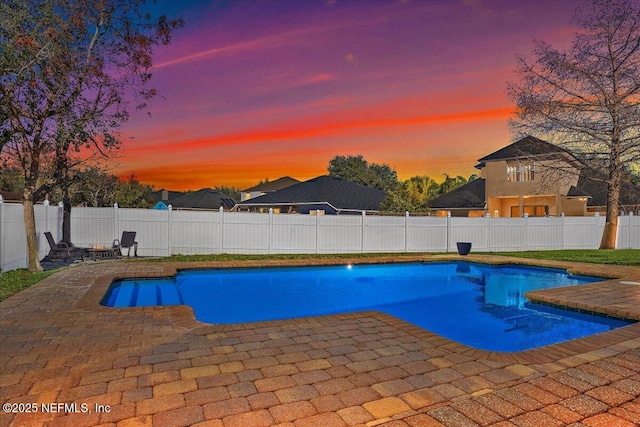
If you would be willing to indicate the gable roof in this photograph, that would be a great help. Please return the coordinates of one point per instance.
(526, 147)
(278, 184)
(205, 198)
(339, 193)
(468, 196)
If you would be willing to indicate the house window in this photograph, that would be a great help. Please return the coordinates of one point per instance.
(531, 210)
(520, 171)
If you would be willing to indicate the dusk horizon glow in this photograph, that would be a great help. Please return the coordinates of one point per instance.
(255, 90)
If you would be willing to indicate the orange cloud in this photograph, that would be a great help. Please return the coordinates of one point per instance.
(322, 130)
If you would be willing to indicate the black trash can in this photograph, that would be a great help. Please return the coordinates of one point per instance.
(464, 248)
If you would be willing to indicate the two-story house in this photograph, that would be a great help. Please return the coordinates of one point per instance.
(531, 177)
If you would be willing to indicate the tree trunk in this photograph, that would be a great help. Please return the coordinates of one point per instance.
(66, 214)
(610, 233)
(30, 229)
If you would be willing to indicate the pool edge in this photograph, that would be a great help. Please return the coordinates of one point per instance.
(183, 315)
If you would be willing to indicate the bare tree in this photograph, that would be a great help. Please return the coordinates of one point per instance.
(587, 98)
(67, 69)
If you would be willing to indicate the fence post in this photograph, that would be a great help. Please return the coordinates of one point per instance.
(526, 232)
(488, 216)
(406, 231)
(597, 219)
(362, 241)
(562, 230)
(221, 230)
(115, 220)
(170, 229)
(270, 236)
(448, 231)
(630, 230)
(317, 230)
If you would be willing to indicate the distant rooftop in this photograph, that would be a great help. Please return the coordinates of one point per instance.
(526, 147)
(468, 196)
(278, 184)
(340, 193)
(205, 198)
(10, 196)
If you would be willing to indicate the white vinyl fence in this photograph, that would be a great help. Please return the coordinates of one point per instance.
(161, 233)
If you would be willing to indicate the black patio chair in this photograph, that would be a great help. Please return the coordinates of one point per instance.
(57, 250)
(126, 242)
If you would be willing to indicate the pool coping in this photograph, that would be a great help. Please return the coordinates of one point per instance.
(590, 298)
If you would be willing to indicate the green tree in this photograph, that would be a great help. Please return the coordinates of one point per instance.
(11, 179)
(94, 188)
(451, 183)
(232, 192)
(358, 170)
(67, 68)
(634, 173)
(587, 98)
(133, 194)
(412, 195)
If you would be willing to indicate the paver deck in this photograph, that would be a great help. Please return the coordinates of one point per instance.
(159, 366)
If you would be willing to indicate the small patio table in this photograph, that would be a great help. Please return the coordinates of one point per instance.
(95, 254)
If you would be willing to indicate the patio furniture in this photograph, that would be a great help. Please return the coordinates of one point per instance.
(57, 250)
(95, 254)
(126, 242)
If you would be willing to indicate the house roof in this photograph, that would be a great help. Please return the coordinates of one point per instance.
(591, 184)
(11, 196)
(339, 193)
(468, 196)
(166, 195)
(577, 192)
(278, 184)
(525, 147)
(205, 198)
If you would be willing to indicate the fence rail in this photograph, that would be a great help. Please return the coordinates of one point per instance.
(162, 233)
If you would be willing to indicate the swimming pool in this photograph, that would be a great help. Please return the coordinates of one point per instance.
(479, 305)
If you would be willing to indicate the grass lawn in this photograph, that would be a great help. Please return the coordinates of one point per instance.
(13, 282)
(618, 256)
(237, 257)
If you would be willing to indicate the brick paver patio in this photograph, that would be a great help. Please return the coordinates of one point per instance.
(159, 366)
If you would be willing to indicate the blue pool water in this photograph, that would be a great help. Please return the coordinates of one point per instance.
(479, 305)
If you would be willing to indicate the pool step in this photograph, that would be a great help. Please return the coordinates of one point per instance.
(152, 294)
(169, 295)
(138, 294)
(123, 296)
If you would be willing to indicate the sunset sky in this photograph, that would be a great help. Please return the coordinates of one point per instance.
(256, 89)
